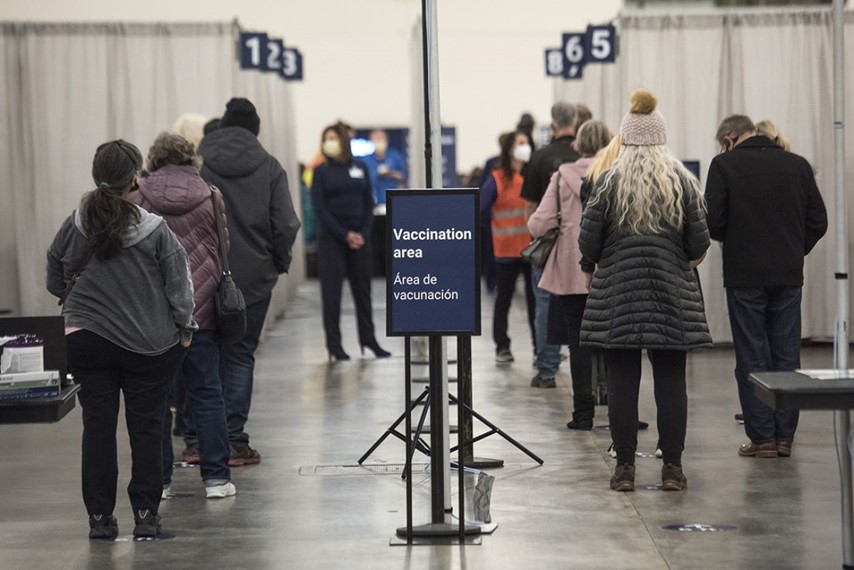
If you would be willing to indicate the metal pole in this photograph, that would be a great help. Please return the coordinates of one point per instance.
(842, 418)
(433, 154)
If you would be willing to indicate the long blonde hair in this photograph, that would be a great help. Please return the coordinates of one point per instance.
(649, 185)
(604, 158)
(771, 131)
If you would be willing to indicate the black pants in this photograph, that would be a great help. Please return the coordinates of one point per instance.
(506, 274)
(671, 400)
(103, 369)
(565, 315)
(335, 261)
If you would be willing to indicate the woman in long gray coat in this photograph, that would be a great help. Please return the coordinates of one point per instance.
(645, 229)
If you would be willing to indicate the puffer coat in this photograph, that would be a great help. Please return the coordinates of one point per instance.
(183, 199)
(644, 292)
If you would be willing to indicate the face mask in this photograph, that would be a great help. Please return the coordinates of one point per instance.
(522, 153)
(381, 146)
(331, 148)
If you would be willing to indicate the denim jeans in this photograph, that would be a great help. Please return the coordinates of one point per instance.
(766, 333)
(548, 355)
(205, 418)
(104, 370)
(237, 370)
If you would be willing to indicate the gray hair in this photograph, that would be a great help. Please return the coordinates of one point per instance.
(592, 137)
(563, 115)
(171, 149)
(734, 126)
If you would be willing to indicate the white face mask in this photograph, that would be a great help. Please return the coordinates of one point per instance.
(331, 148)
(522, 153)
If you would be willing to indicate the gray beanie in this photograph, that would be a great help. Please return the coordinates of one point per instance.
(643, 125)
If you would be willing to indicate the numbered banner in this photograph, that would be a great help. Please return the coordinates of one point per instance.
(574, 55)
(291, 69)
(252, 47)
(433, 250)
(554, 62)
(601, 44)
(261, 52)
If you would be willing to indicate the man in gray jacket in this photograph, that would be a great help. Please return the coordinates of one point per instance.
(262, 227)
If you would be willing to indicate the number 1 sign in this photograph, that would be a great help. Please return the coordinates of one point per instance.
(259, 51)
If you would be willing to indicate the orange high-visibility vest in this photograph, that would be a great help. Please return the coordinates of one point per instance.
(509, 227)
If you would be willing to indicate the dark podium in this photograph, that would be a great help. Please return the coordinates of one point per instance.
(819, 390)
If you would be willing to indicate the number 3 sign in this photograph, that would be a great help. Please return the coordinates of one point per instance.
(597, 45)
(258, 51)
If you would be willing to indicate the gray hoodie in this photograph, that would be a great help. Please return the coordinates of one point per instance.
(140, 299)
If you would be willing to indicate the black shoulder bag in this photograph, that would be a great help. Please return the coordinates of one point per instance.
(538, 251)
(230, 306)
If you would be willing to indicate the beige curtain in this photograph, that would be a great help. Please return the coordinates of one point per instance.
(70, 87)
(775, 65)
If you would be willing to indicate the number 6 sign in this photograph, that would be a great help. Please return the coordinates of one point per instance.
(573, 55)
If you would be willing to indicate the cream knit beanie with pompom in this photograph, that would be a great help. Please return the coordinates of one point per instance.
(643, 125)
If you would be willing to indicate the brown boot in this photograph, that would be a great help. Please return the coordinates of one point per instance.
(784, 447)
(623, 479)
(751, 449)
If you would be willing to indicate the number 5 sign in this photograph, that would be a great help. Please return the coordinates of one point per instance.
(601, 44)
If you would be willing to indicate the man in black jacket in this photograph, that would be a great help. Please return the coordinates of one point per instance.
(765, 207)
(262, 228)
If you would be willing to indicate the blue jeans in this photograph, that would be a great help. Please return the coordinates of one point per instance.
(766, 334)
(205, 419)
(548, 355)
(237, 369)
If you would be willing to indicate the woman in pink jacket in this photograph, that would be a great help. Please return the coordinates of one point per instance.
(563, 276)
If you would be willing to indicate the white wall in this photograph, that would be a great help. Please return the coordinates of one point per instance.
(357, 55)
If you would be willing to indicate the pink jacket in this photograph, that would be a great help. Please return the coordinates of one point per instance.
(183, 199)
(562, 274)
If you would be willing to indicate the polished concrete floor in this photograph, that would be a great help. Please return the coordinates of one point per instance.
(306, 507)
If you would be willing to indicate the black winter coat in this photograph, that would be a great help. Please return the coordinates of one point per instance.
(262, 223)
(644, 292)
(765, 207)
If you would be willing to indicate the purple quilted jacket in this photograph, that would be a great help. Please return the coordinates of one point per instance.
(183, 199)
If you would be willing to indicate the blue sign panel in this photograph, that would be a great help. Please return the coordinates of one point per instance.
(574, 56)
(449, 157)
(291, 69)
(601, 44)
(253, 50)
(433, 279)
(554, 62)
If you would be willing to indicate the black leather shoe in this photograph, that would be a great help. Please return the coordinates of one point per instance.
(585, 425)
(337, 354)
(378, 351)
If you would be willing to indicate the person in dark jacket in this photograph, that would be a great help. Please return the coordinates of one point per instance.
(765, 207)
(173, 189)
(343, 203)
(262, 228)
(128, 318)
(645, 229)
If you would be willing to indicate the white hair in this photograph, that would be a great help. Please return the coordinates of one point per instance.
(649, 189)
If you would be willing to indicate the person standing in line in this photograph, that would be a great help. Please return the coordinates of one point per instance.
(645, 229)
(262, 229)
(563, 276)
(765, 207)
(174, 190)
(344, 203)
(124, 282)
(538, 174)
(768, 129)
(386, 166)
(502, 207)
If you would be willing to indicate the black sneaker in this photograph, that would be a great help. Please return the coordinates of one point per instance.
(643, 425)
(623, 479)
(103, 526)
(504, 356)
(739, 418)
(147, 524)
(585, 425)
(672, 478)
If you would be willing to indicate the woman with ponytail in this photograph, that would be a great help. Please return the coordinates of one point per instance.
(645, 229)
(124, 283)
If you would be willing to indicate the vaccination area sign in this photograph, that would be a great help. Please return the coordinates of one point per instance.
(433, 261)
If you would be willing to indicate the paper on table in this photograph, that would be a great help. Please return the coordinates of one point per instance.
(827, 374)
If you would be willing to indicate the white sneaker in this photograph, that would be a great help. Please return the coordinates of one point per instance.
(166, 490)
(221, 491)
(658, 452)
